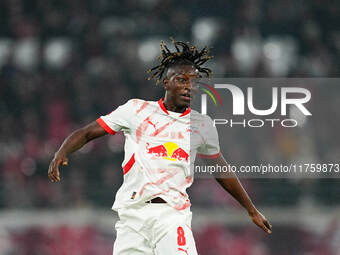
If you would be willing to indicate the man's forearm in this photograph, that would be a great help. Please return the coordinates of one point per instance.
(80, 137)
(230, 182)
(73, 142)
(235, 188)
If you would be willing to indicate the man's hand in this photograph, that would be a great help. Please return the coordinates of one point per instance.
(71, 144)
(53, 170)
(261, 221)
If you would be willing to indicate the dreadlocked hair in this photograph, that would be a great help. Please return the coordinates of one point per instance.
(185, 54)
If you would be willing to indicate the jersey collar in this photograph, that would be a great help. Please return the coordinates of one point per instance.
(161, 104)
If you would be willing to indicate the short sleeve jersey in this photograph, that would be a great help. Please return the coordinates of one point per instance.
(160, 147)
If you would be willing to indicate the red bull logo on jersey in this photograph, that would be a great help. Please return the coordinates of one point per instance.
(169, 151)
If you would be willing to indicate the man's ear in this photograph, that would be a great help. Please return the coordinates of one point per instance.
(165, 83)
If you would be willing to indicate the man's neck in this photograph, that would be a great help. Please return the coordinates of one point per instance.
(170, 106)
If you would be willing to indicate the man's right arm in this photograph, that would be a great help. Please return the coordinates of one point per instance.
(72, 143)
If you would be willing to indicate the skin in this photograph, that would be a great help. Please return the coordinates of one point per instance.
(232, 185)
(179, 85)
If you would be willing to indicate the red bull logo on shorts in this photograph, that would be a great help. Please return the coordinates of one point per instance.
(169, 151)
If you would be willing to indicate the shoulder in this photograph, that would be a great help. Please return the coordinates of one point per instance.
(138, 102)
(201, 122)
(134, 102)
(195, 115)
(137, 105)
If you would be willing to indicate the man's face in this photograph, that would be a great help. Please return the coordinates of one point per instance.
(181, 84)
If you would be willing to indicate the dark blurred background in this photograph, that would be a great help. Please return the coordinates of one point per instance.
(65, 63)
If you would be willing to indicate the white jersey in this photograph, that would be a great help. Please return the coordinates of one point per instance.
(158, 151)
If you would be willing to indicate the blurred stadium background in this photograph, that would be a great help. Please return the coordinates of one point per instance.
(64, 63)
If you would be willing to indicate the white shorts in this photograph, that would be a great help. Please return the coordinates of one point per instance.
(154, 229)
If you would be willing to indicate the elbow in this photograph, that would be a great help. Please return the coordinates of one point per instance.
(87, 135)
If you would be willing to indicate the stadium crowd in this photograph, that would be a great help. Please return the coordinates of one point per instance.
(211, 240)
(64, 63)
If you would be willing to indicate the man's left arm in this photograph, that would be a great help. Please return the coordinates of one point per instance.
(230, 182)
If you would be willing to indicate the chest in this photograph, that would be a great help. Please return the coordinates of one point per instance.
(158, 127)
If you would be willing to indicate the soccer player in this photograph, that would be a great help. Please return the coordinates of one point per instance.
(152, 204)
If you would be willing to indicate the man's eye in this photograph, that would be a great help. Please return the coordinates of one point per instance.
(181, 79)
